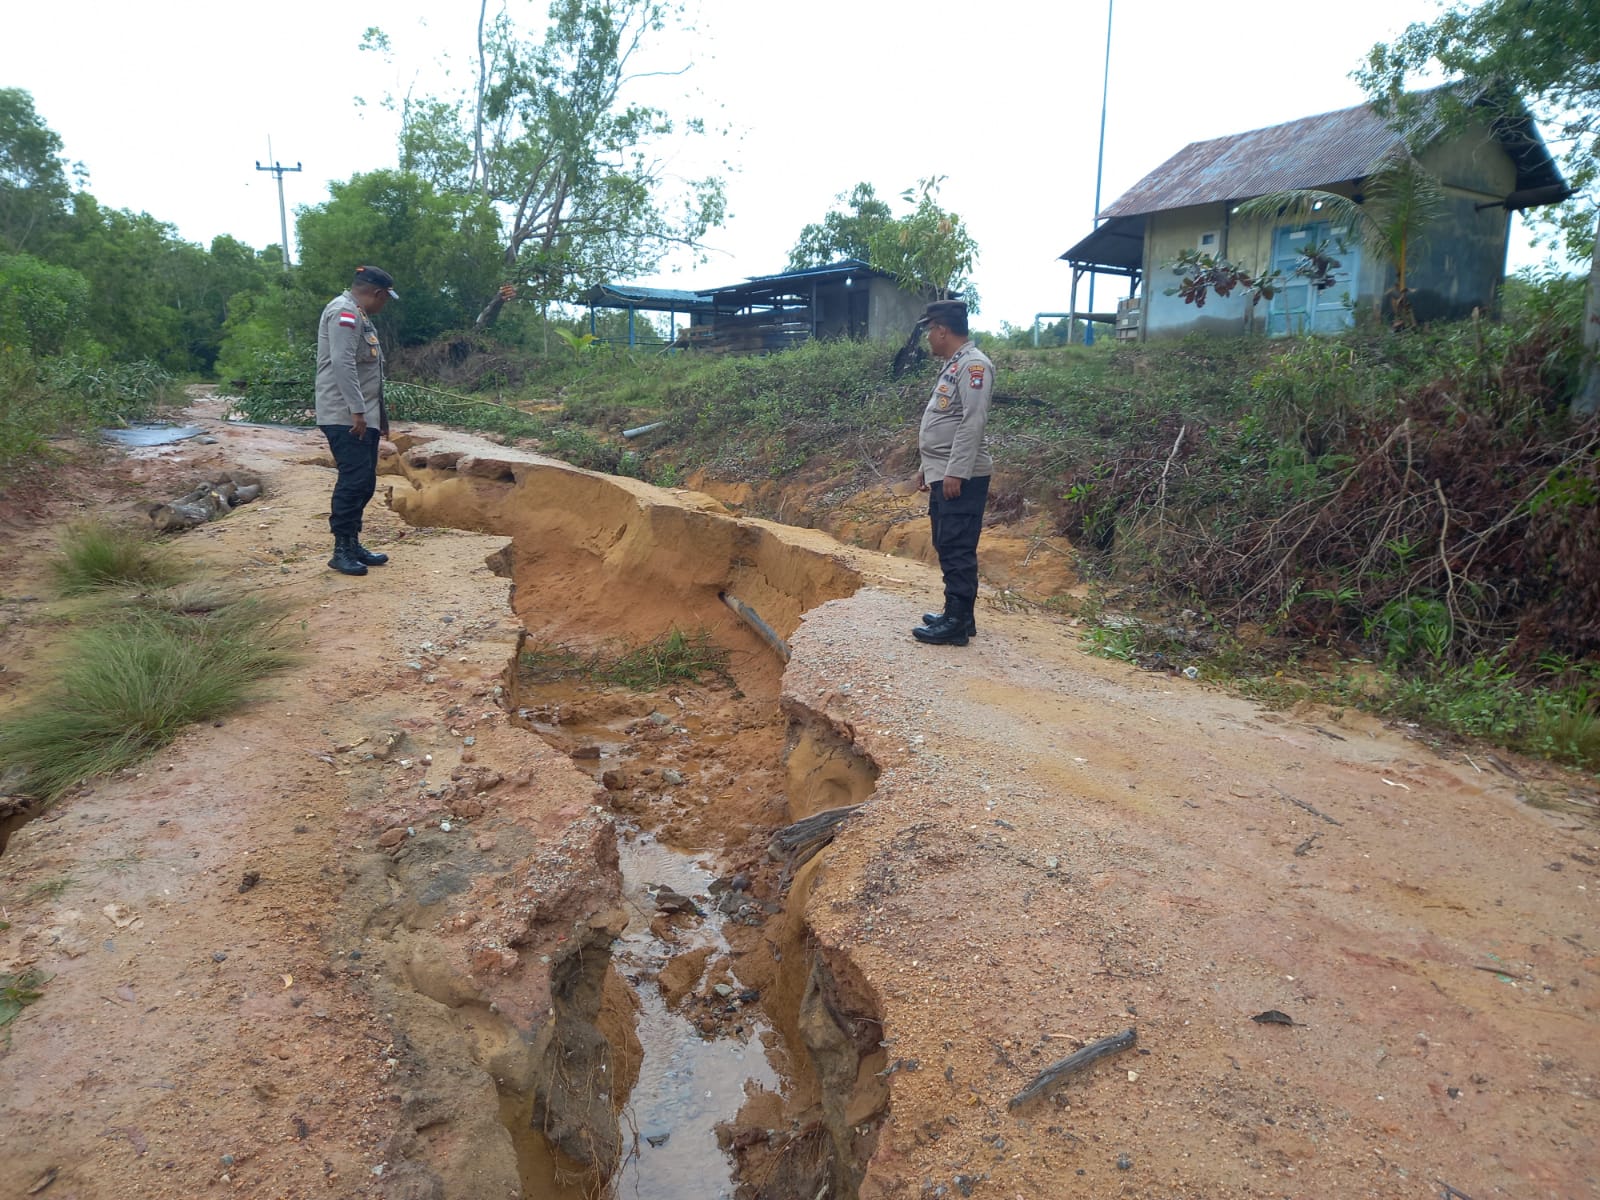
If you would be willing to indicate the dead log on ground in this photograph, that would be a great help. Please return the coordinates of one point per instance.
(1056, 1072)
(206, 502)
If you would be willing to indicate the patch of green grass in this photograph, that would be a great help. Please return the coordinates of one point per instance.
(131, 683)
(48, 889)
(1575, 736)
(119, 864)
(674, 657)
(1486, 700)
(95, 556)
(193, 598)
(18, 990)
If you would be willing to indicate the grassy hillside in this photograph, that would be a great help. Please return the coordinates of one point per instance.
(1418, 514)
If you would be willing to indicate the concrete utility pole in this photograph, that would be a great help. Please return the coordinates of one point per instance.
(279, 170)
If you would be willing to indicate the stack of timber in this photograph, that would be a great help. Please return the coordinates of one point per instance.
(750, 333)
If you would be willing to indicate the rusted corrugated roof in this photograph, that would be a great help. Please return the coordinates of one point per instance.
(1311, 152)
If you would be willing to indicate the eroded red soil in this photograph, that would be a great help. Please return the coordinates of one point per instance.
(1054, 848)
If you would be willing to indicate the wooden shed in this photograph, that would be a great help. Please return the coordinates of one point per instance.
(774, 312)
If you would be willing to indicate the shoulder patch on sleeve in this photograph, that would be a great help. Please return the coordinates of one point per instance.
(975, 377)
(347, 319)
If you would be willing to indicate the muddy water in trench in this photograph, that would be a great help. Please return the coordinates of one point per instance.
(689, 1081)
(594, 558)
(687, 1084)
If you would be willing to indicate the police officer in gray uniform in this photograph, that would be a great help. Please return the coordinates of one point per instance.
(955, 468)
(350, 409)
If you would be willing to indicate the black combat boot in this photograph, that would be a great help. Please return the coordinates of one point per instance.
(367, 557)
(344, 558)
(951, 627)
(972, 624)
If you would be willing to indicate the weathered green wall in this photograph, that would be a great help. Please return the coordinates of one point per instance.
(1166, 235)
(1459, 264)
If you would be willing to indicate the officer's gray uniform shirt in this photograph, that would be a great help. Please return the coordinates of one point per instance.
(349, 365)
(951, 440)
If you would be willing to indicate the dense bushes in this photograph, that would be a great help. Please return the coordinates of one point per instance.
(39, 402)
(1429, 497)
(42, 307)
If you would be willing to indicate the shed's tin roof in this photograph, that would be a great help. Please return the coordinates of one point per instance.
(1315, 152)
(1311, 152)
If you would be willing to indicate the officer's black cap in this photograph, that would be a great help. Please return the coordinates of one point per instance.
(952, 314)
(377, 277)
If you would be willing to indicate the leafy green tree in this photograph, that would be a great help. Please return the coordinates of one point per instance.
(434, 144)
(142, 279)
(41, 306)
(929, 251)
(34, 185)
(1542, 53)
(99, 281)
(442, 248)
(842, 234)
(1509, 53)
(231, 268)
(270, 332)
(574, 169)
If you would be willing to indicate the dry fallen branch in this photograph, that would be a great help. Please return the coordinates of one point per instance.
(1056, 1072)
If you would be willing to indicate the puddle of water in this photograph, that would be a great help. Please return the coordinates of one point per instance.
(151, 433)
(687, 1084)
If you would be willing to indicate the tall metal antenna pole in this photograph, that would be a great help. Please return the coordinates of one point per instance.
(1100, 162)
(279, 171)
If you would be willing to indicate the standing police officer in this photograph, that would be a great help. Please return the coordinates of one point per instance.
(350, 409)
(955, 468)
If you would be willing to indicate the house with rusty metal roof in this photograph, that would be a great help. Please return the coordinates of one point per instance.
(1488, 170)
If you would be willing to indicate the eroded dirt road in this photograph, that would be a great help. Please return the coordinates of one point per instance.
(1052, 849)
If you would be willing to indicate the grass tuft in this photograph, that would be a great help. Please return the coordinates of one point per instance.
(194, 598)
(1574, 735)
(19, 990)
(674, 657)
(95, 556)
(48, 889)
(131, 684)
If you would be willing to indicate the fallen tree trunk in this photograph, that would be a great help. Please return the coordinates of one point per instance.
(1056, 1072)
(206, 502)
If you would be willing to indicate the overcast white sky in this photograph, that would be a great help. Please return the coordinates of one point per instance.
(170, 104)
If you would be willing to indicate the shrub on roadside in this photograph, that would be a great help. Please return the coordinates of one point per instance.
(131, 683)
(95, 556)
(41, 401)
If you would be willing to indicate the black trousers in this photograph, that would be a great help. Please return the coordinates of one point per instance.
(357, 460)
(956, 526)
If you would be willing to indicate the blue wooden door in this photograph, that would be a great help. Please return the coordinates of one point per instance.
(1300, 308)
